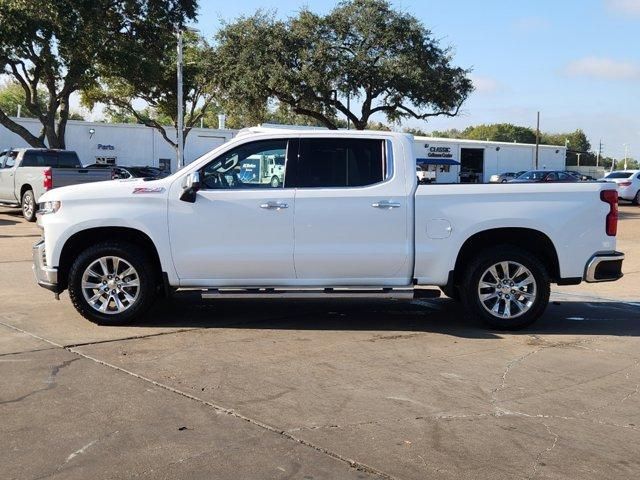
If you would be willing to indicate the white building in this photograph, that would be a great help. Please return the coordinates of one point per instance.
(448, 160)
(452, 160)
(123, 144)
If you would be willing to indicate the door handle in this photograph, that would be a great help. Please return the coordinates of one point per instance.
(274, 205)
(386, 204)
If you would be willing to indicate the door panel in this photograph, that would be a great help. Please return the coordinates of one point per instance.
(237, 232)
(7, 177)
(351, 235)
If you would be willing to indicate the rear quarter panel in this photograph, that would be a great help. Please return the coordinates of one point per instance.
(32, 176)
(571, 215)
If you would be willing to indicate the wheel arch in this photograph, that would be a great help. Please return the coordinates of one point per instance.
(23, 189)
(528, 239)
(90, 236)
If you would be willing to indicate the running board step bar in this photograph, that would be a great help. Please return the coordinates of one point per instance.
(388, 293)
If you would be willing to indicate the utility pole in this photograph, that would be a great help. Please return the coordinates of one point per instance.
(599, 154)
(578, 154)
(626, 154)
(537, 139)
(180, 123)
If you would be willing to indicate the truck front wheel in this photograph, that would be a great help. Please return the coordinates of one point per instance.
(506, 287)
(275, 182)
(112, 283)
(29, 206)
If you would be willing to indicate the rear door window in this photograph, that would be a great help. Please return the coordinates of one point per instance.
(68, 160)
(36, 158)
(339, 162)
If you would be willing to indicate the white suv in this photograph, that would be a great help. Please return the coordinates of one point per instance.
(627, 183)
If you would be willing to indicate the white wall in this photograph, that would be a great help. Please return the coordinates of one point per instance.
(131, 144)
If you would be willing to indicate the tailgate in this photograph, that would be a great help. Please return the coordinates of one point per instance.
(63, 177)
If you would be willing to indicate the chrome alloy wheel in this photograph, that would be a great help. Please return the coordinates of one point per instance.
(27, 205)
(110, 285)
(507, 289)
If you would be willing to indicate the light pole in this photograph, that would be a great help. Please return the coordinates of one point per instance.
(180, 122)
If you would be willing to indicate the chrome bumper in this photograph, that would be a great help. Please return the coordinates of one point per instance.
(45, 276)
(604, 267)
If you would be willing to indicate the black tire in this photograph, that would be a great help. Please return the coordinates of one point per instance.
(275, 182)
(29, 207)
(131, 254)
(636, 199)
(474, 272)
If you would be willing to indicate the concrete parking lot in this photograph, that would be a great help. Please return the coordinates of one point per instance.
(318, 390)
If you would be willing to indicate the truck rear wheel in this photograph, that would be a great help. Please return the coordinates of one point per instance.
(506, 287)
(29, 206)
(112, 283)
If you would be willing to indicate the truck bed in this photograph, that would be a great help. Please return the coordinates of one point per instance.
(571, 215)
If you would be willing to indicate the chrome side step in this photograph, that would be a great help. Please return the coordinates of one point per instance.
(311, 293)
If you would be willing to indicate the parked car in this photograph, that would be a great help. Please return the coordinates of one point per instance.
(627, 183)
(502, 177)
(581, 176)
(539, 176)
(26, 173)
(363, 227)
(120, 172)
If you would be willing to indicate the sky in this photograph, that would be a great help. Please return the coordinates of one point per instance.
(575, 61)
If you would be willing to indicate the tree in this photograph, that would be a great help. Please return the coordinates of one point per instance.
(384, 60)
(416, 132)
(500, 132)
(57, 45)
(451, 133)
(12, 98)
(152, 79)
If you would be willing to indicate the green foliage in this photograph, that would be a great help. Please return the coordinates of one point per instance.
(576, 140)
(309, 64)
(416, 132)
(451, 133)
(58, 45)
(152, 79)
(12, 95)
(500, 132)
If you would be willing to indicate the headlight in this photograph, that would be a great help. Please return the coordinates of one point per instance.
(49, 207)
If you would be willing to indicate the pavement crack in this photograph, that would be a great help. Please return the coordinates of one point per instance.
(506, 371)
(356, 465)
(542, 453)
(50, 382)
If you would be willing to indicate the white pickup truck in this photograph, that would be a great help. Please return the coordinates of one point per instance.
(348, 220)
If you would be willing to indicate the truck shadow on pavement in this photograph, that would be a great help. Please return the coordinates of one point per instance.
(7, 222)
(442, 316)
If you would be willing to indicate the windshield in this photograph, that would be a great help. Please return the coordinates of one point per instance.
(533, 175)
(619, 175)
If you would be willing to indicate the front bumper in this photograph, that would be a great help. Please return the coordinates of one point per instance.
(604, 267)
(45, 276)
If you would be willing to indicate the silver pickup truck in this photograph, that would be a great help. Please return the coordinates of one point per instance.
(27, 173)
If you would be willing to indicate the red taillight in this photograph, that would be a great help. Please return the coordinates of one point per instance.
(47, 183)
(611, 223)
(624, 184)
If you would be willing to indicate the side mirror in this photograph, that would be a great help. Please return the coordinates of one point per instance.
(191, 187)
